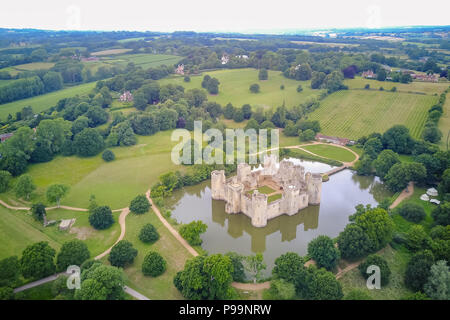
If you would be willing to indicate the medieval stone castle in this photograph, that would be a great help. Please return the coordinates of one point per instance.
(240, 193)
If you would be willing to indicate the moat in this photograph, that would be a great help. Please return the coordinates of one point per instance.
(285, 233)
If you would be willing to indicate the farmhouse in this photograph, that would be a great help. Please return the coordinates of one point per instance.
(425, 77)
(5, 136)
(225, 59)
(180, 69)
(335, 140)
(368, 74)
(126, 97)
(267, 192)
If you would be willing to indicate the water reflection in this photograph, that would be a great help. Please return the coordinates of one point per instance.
(227, 232)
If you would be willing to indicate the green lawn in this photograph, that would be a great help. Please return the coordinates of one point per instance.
(115, 183)
(235, 83)
(354, 113)
(444, 124)
(145, 60)
(18, 229)
(266, 190)
(45, 101)
(397, 261)
(274, 197)
(172, 251)
(331, 152)
(416, 86)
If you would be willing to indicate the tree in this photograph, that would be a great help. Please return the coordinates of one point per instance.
(154, 264)
(412, 212)
(206, 277)
(255, 265)
(5, 178)
(238, 115)
(122, 254)
(80, 124)
(101, 218)
(381, 75)
(139, 100)
(353, 242)
(24, 186)
(101, 282)
(307, 135)
(299, 88)
(438, 284)
(378, 226)
(254, 88)
(9, 272)
(280, 289)
(398, 139)
(191, 232)
(195, 97)
(357, 294)
(417, 238)
(385, 160)
(6, 293)
(373, 147)
(444, 185)
(88, 142)
(38, 211)
(140, 204)
(148, 234)
(431, 134)
(263, 74)
(317, 79)
(322, 250)
(322, 285)
(376, 260)
(441, 214)
(228, 111)
(52, 81)
(108, 155)
(334, 81)
(418, 270)
(73, 252)
(37, 261)
(96, 116)
(238, 266)
(304, 72)
(364, 165)
(246, 111)
(56, 192)
(397, 177)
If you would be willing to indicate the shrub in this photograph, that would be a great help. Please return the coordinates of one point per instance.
(191, 232)
(418, 270)
(299, 88)
(154, 264)
(254, 88)
(412, 212)
(122, 254)
(148, 234)
(376, 260)
(322, 285)
(6, 293)
(323, 251)
(140, 204)
(282, 87)
(38, 211)
(367, 86)
(353, 242)
(5, 178)
(417, 238)
(108, 155)
(73, 252)
(101, 217)
(280, 289)
(187, 79)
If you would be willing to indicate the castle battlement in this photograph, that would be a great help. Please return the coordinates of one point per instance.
(267, 192)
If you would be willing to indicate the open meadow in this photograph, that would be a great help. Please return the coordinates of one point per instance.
(354, 113)
(144, 60)
(45, 101)
(235, 83)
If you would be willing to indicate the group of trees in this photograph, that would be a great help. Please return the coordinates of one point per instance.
(210, 84)
(431, 132)
(39, 260)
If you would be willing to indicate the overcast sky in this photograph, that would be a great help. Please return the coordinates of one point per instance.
(226, 15)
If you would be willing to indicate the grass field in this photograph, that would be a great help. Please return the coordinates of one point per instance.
(394, 290)
(416, 86)
(110, 52)
(115, 183)
(14, 70)
(18, 229)
(354, 113)
(235, 83)
(45, 101)
(444, 124)
(145, 60)
(331, 152)
(172, 251)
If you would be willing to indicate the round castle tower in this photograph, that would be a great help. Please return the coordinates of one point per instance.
(218, 184)
(314, 185)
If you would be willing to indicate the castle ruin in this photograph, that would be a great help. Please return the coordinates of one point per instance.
(287, 189)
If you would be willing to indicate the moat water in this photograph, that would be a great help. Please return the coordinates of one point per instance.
(285, 233)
